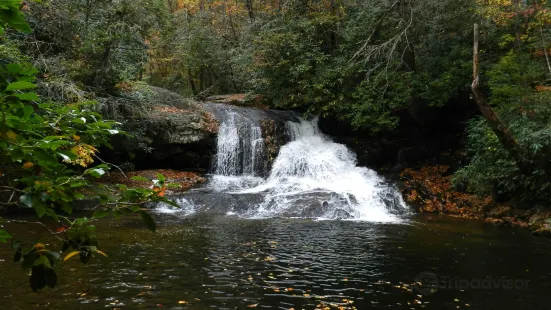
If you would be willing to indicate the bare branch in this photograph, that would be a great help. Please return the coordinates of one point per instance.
(54, 233)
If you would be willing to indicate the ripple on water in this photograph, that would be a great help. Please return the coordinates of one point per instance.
(221, 263)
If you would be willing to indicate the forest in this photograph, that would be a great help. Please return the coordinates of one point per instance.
(75, 73)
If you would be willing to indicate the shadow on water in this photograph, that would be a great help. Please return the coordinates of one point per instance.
(221, 262)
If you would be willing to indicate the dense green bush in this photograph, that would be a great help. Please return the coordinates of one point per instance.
(527, 113)
(49, 162)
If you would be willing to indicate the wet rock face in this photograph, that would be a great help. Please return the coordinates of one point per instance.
(176, 133)
(274, 137)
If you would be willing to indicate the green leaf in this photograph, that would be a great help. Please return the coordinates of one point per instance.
(4, 235)
(68, 155)
(116, 213)
(43, 156)
(14, 68)
(140, 179)
(53, 257)
(27, 111)
(14, 19)
(78, 184)
(28, 96)
(101, 213)
(52, 214)
(160, 177)
(17, 154)
(20, 85)
(39, 207)
(149, 222)
(96, 173)
(42, 260)
(66, 208)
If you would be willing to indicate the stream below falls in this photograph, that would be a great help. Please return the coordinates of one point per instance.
(219, 262)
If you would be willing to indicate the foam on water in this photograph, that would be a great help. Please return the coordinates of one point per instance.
(313, 175)
(186, 207)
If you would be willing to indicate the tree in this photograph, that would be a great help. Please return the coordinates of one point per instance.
(500, 129)
(102, 42)
(48, 151)
(509, 148)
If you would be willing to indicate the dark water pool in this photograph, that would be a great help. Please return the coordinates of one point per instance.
(208, 262)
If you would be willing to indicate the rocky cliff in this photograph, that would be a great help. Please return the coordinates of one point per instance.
(175, 133)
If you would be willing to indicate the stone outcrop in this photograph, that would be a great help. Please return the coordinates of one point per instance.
(240, 100)
(176, 133)
(274, 137)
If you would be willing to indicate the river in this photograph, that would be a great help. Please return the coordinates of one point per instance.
(222, 262)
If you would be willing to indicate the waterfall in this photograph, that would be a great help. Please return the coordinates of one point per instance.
(311, 177)
(315, 177)
(240, 147)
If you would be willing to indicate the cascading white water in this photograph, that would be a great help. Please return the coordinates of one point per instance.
(312, 177)
(227, 159)
(240, 147)
(315, 177)
(253, 152)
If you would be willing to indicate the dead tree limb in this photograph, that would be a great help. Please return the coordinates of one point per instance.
(498, 127)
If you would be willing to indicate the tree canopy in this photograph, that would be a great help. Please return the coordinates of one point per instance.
(71, 71)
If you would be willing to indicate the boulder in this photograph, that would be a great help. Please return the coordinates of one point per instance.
(175, 133)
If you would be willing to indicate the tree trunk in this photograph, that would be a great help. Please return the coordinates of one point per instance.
(191, 83)
(502, 132)
(202, 79)
(87, 19)
(250, 10)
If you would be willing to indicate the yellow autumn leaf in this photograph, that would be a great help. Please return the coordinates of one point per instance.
(75, 150)
(68, 257)
(101, 252)
(84, 154)
(11, 135)
(39, 246)
(28, 165)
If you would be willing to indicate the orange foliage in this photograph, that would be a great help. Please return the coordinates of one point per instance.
(166, 109)
(431, 188)
(543, 88)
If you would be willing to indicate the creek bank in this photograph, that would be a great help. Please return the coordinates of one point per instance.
(429, 189)
(186, 179)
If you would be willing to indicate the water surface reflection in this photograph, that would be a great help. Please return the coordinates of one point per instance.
(222, 262)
